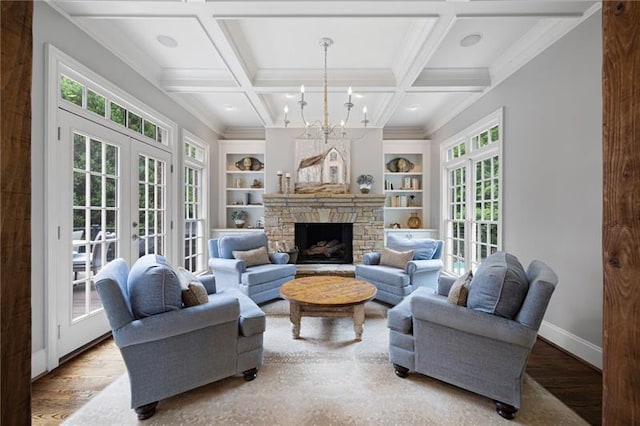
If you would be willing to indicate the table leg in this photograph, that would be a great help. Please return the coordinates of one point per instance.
(294, 317)
(358, 320)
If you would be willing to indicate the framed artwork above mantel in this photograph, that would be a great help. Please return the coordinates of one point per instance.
(322, 167)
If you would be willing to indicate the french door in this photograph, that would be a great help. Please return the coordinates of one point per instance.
(111, 201)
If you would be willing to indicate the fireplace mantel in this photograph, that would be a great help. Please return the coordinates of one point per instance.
(365, 211)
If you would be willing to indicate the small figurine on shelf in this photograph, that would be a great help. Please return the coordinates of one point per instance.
(249, 163)
(239, 217)
(256, 184)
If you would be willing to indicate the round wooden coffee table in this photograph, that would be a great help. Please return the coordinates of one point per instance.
(327, 296)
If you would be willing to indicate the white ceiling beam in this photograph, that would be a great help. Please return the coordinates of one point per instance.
(240, 9)
(239, 70)
(452, 77)
(428, 46)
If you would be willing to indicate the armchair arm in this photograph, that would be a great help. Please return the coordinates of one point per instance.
(219, 309)
(279, 258)
(228, 272)
(436, 309)
(417, 266)
(372, 258)
(209, 282)
(444, 284)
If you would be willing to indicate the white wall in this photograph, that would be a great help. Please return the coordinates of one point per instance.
(553, 178)
(366, 156)
(51, 27)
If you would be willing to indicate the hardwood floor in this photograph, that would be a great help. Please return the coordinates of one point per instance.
(59, 394)
(576, 384)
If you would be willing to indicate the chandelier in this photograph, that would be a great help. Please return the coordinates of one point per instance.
(323, 128)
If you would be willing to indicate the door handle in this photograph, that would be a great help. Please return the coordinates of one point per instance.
(134, 224)
(134, 237)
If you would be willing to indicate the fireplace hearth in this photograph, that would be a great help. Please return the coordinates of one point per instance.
(324, 242)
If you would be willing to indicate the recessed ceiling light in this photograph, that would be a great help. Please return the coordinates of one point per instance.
(290, 95)
(167, 41)
(413, 107)
(359, 96)
(470, 40)
(228, 107)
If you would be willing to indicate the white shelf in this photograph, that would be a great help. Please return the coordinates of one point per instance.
(404, 208)
(245, 206)
(245, 189)
(245, 172)
(403, 173)
(402, 191)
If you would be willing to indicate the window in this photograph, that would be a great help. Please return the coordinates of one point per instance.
(194, 168)
(87, 98)
(472, 170)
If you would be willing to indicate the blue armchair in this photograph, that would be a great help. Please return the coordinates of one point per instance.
(393, 283)
(467, 346)
(178, 349)
(261, 282)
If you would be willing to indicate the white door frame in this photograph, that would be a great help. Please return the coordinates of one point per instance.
(56, 61)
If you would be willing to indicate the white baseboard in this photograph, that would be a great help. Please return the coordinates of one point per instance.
(586, 351)
(38, 363)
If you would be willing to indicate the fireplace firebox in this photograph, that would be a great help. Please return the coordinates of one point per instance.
(324, 242)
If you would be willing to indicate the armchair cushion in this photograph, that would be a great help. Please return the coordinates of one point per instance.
(423, 248)
(499, 286)
(153, 287)
(459, 291)
(257, 256)
(195, 294)
(266, 273)
(386, 274)
(397, 259)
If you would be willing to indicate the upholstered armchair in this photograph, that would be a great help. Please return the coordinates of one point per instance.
(398, 278)
(482, 347)
(168, 348)
(242, 261)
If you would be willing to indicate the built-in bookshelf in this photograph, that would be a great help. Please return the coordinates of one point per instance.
(405, 171)
(242, 182)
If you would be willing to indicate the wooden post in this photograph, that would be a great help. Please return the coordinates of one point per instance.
(621, 211)
(15, 214)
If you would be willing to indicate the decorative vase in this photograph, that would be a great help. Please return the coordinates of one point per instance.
(414, 221)
(365, 188)
(239, 223)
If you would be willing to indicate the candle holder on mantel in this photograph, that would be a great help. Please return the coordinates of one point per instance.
(279, 174)
(287, 185)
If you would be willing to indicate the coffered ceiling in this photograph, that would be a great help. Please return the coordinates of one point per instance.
(236, 64)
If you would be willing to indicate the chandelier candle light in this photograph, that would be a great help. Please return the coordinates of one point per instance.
(324, 127)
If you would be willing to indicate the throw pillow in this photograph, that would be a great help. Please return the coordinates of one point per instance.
(194, 294)
(253, 257)
(460, 290)
(186, 277)
(499, 286)
(153, 287)
(397, 259)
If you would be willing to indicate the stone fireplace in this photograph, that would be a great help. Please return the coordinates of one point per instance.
(364, 211)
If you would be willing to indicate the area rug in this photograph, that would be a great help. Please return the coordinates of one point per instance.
(325, 378)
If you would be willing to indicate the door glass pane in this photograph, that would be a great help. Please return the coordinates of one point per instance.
(151, 205)
(95, 218)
